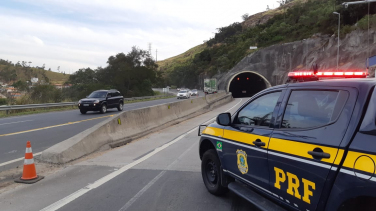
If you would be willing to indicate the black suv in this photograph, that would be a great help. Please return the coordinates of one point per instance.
(101, 100)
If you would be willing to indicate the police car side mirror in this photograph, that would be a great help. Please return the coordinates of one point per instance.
(224, 119)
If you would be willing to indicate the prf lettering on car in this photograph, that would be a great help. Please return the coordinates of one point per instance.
(307, 145)
(293, 184)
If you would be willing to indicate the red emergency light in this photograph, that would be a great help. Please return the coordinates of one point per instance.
(322, 74)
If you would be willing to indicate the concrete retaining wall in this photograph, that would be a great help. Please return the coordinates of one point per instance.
(134, 124)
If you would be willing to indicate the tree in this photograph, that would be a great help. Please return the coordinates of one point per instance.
(281, 2)
(245, 16)
(45, 94)
(267, 7)
(21, 85)
(132, 74)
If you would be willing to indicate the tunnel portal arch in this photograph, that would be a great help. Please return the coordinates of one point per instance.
(246, 84)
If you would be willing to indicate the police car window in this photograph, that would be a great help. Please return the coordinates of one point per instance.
(313, 108)
(259, 112)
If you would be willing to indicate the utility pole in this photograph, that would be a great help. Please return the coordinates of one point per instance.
(150, 48)
(156, 55)
(339, 23)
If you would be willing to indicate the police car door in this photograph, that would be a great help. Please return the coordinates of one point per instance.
(304, 147)
(247, 139)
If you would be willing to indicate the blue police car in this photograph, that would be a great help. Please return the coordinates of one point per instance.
(300, 146)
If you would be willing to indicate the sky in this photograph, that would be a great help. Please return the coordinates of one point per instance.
(76, 34)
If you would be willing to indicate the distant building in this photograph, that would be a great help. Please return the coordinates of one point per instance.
(10, 89)
(34, 80)
(59, 86)
(15, 94)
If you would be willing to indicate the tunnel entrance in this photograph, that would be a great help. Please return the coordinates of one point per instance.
(247, 84)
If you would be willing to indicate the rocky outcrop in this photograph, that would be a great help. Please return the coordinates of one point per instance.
(276, 61)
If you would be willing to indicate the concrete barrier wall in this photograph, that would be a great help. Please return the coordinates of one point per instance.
(133, 124)
(213, 97)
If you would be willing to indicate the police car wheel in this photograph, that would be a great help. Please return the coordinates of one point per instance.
(83, 111)
(210, 170)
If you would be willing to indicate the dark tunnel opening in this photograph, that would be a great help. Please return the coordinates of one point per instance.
(246, 85)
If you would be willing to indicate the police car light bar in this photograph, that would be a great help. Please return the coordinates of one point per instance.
(302, 74)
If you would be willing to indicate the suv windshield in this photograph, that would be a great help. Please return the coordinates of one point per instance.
(183, 92)
(98, 95)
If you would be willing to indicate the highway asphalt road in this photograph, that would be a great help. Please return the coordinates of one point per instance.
(47, 129)
(158, 172)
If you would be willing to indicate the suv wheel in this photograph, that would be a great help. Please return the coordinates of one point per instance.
(83, 111)
(120, 106)
(103, 109)
(211, 174)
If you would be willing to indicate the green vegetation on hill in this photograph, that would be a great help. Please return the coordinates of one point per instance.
(10, 72)
(169, 64)
(298, 20)
(133, 74)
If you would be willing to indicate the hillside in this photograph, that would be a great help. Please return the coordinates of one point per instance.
(170, 63)
(294, 21)
(10, 73)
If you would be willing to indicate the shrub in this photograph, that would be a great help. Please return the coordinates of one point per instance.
(3, 101)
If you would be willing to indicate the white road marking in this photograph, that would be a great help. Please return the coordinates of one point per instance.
(16, 122)
(16, 160)
(62, 202)
(144, 189)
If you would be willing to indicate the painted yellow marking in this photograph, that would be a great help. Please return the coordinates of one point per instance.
(293, 185)
(307, 191)
(365, 165)
(53, 126)
(301, 149)
(213, 131)
(280, 176)
(246, 138)
(339, 156)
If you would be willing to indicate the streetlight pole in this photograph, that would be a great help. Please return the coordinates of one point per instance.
(339, 24)
(346, 5)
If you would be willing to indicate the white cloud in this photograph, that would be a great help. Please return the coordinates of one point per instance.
(74, 34)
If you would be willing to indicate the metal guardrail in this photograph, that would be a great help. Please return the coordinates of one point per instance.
(49, 105)
(29, 106)
(147, 97)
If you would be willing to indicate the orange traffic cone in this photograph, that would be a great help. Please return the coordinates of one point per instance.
(29, 174)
